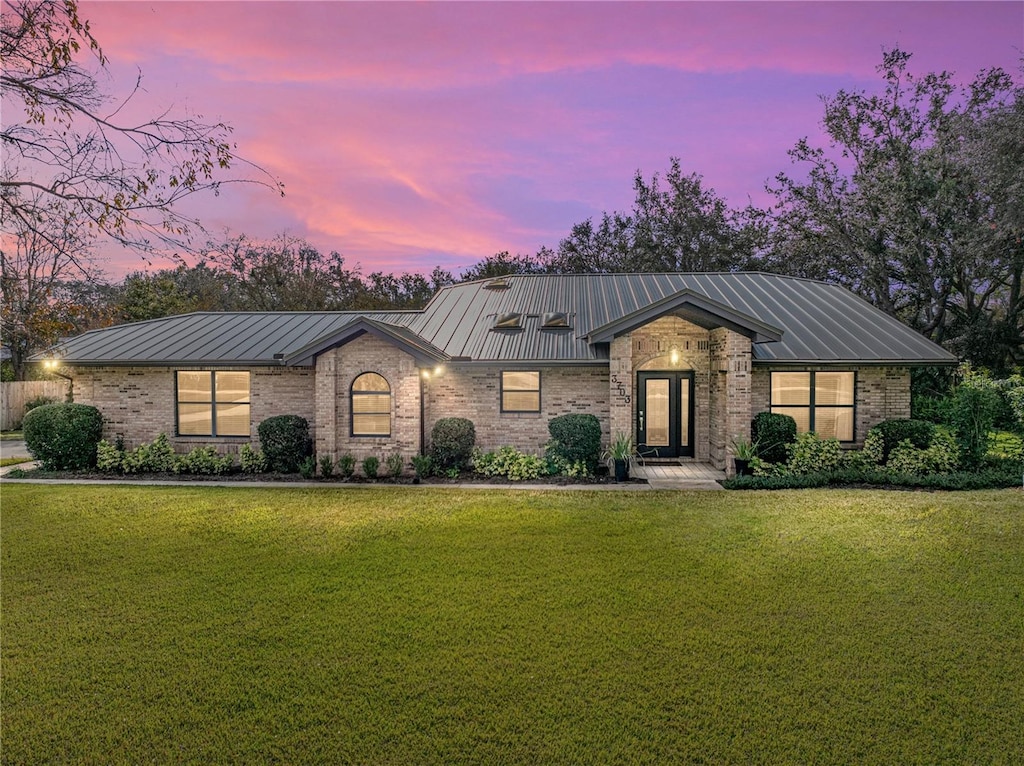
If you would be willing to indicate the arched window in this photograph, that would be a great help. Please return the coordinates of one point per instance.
(371, 405)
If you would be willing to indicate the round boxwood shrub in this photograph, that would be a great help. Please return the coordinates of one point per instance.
(772, 433)
(919, 432)
(285, 442)
(575, 438)
(451, 444)
(63, 437)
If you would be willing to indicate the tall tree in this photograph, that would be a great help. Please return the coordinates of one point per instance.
(149, 295)
(900, 207)
(38, 260)
(676, 224)
(68, 141)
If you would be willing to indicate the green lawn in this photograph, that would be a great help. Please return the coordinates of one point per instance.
(396, 626)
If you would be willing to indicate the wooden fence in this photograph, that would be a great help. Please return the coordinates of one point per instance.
(13, 397)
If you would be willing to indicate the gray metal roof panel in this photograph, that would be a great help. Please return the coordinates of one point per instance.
(820, 322)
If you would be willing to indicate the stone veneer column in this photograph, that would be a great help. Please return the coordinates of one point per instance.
(730, 394)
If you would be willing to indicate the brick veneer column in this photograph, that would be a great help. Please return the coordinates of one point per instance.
(731, 394)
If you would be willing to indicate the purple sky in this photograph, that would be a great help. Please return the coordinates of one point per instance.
(410, 135)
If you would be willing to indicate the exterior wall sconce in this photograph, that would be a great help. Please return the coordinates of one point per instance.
(51, 366)
(673, 356)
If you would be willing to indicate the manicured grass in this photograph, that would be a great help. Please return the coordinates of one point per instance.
(210, 625)
(6, 461)
(11, 435)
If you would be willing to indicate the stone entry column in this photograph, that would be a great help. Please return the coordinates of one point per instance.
(730, 394)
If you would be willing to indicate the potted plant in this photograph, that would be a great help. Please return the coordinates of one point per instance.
(743, 451)
(620, 454)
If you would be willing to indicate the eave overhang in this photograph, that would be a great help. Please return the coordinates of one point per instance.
(693, 307)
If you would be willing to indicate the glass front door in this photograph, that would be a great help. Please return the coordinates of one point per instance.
(664, 414)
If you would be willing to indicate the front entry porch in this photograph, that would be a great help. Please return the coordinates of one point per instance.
(683, 474)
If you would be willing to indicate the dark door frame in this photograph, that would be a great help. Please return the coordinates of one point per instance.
(674, 447)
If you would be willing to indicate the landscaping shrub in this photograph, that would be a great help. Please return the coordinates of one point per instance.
(575, 438)
(394, 465)
(203, 461)
(252, 460)
(371, 465)
(772, 433)
(939, 458)
(347, 465)
(155, 457)
(326, 466)
(285, 441)
(63, 436)
(108, 457)
(509, 463)
(919, 432)
(992, 478)
(972, 415)
(422, 465)
(451, 444)
(307, 467)
(38, 401)
(811, 454)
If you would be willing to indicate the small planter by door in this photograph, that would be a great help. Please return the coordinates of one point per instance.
(621, 470)
(742, 467)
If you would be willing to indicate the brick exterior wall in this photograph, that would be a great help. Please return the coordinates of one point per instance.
(474, 392)
(881, 393)
(730, 407)
(137, 403)
(335, 371)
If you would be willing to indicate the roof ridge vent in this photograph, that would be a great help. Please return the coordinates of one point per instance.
(499, 283)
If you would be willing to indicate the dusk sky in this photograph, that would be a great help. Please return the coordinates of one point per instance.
(414, 135)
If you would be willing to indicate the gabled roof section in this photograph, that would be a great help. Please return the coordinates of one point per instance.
(693, 307)
(402, 337)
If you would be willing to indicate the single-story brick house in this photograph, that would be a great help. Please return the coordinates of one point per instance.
(681, 362)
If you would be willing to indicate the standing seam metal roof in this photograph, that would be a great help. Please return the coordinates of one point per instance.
(821, 323)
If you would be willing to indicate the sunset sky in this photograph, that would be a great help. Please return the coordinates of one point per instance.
(410, 135)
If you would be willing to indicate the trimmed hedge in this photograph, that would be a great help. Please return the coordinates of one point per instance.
(575, 438)
(451, 444)
(63, 437)
(285, 442)
(772, 433)
(992, 478)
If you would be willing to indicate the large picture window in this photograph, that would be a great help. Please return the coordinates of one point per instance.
(371, 405)
(213, 403)
(822, 402)
(520, 391)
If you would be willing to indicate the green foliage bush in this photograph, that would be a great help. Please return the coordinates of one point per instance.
(772, 433)
(326, 466)
(559, 465)
(422, 465)
(108, 457)
(811, 454)
(346, 465)
(940, 457)
(394, 465)
(38, 401)
(993, 478)
(451, 444)
(307, 467)
(285, 441)
(509, 463)
(155, 457)
(972, 415)
(203, 461)
(252, 460)
(575, 438)
(63, 437)
(371, 465)
(919, 432)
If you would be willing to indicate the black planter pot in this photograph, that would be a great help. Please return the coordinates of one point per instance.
(742, 467)
(621, 470)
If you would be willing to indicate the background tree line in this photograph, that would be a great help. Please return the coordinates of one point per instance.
(916, 204)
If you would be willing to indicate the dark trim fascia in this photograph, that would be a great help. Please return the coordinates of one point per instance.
(701, 305)
(846, 363)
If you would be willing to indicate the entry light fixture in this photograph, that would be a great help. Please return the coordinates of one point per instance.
(674, 356)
